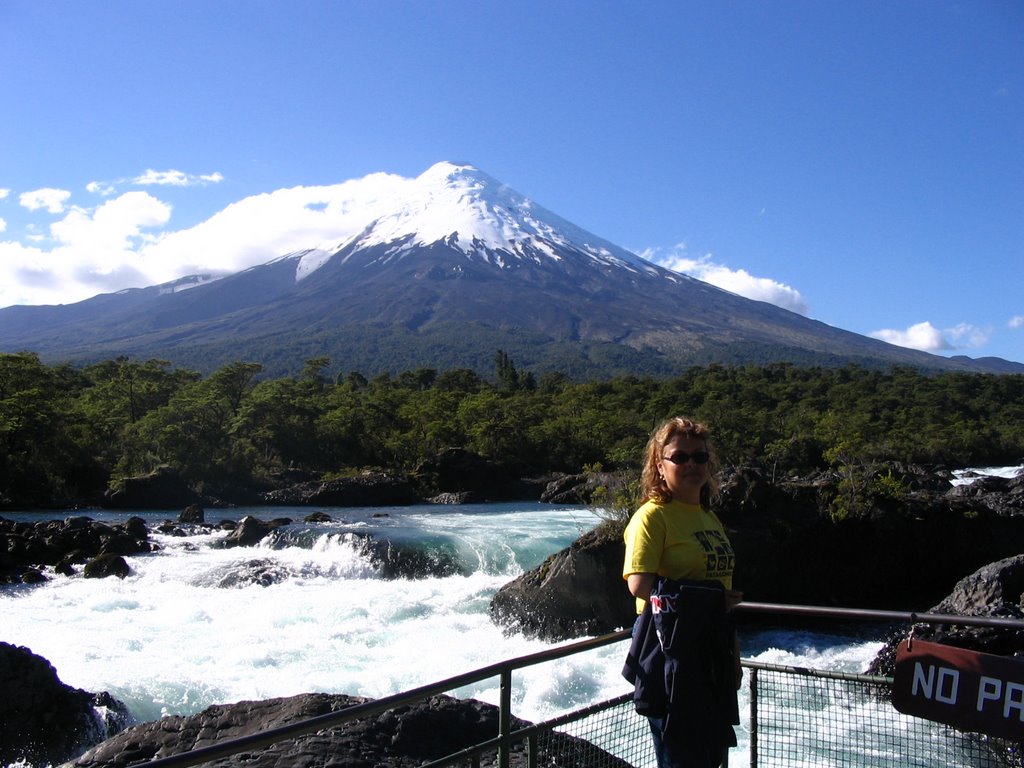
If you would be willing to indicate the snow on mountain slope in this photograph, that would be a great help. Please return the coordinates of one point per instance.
(483, 218)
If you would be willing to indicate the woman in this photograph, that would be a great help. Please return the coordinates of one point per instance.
(675, 536)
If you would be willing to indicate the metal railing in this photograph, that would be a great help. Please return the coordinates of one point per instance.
(796, 717)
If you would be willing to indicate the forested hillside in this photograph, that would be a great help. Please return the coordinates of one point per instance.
(66, 433)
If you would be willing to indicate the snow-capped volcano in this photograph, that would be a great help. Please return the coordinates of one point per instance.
(441, 271)
(467, 210)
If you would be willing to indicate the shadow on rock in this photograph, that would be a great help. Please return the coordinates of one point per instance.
(42, 720)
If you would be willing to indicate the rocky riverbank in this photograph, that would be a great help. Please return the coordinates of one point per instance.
(455, 476)
(403, 737)
(45, 722)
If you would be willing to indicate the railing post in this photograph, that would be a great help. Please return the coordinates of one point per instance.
(505, 718)
(753, 718)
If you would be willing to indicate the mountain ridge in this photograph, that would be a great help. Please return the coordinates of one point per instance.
(457, 249)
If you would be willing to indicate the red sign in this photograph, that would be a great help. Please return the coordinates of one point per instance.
(976, 692)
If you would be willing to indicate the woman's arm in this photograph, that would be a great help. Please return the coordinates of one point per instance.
(640, 584)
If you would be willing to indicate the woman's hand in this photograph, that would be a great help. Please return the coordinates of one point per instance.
(732, 599)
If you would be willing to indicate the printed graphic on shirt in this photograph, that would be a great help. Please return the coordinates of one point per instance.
(669, 603)
(720, 559)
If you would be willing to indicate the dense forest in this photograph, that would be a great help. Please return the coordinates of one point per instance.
(68, 433)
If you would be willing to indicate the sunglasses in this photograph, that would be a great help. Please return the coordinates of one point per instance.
(681, 457)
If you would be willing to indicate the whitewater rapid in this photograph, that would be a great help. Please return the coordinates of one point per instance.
(195, 625)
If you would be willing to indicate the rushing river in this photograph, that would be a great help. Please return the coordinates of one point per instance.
(194, 625)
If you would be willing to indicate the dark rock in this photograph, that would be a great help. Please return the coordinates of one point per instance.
(578, 591)
(996, 590)
(136, 527)
(262, 573)
(787, 545)
(586, 488)
(403, 737)
(193, 513)
(461, 497)
(118, 543)
(455, 470)
(65, 543)
(410, 560)
(32, 576)
(318, 517)
(250, 531)
(372, 489)
(164, 488)
(107, 564)
(42, 720)
(458, 471)
(1001, 495)
(170, 528)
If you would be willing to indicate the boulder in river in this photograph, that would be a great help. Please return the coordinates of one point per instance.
(577, 591)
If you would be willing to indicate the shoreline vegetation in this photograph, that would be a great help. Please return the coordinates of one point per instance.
(78, 437)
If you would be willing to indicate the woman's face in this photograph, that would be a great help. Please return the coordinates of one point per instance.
(684, 478)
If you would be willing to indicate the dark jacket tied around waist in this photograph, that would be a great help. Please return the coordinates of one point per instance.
(681, 661)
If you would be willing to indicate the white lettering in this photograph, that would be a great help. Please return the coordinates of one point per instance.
(943, 688)
(1014, 700)
(920, 679)
(952, 675)
(990, 689)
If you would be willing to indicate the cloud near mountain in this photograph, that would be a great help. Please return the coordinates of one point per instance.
(737, 281)
(927, 338)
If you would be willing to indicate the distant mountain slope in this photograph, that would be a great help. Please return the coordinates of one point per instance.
(460, 267)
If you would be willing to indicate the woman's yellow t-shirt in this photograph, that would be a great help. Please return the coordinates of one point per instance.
(678, 541)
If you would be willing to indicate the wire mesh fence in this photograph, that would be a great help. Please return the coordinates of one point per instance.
(818, 719)
(796, 718)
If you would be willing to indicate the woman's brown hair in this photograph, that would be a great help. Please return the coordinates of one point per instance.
(652, 484)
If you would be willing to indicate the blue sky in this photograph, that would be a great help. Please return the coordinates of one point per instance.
(859, 162)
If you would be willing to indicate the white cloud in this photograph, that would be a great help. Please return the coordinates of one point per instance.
(113, 227)
(923, 336)
(3, 225)
(175, 178)
(124, 242)
(4, 193)
(737, 281)
(51, 199)
(1017, 321)
(100, 188)
(968, 336)
(262, 227)
(87, 252)
(927, 338)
